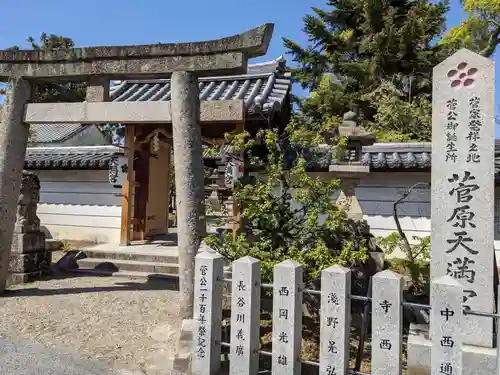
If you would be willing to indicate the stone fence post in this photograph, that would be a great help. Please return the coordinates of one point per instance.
(334, 326)
(447, 326)
(387, 323)
(207, 313)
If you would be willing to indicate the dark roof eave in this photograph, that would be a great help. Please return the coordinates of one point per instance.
(379, 157)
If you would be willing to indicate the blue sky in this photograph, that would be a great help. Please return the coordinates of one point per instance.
(106, 22)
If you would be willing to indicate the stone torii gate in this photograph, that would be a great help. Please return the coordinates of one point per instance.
(182, 62)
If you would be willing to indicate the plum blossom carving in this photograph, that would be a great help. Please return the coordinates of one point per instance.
(462, 76)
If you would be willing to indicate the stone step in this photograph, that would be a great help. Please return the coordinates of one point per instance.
(127, 274)
(52, 244)
(115, 265)
(167, 256)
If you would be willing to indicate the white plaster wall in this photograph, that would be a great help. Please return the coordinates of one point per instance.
(89, 136)
(377, 194)
(79, 205)
(379, 191)
(82, 205)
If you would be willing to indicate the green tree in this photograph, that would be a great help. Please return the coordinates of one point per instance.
(57, 92)
(375, 57)
(63, 92)
(480, 30)
(283, 206)
(50, 92)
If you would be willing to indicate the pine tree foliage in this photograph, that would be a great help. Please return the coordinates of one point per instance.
(66, 92)
(60, 92)
(375, 57)
(56, 92)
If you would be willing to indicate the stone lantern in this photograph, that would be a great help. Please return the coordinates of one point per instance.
(348, 167)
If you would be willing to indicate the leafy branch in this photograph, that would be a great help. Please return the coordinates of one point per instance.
(417, 254)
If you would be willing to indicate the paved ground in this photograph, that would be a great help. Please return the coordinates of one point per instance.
(164, 245)
(121, 323)
(22, 358)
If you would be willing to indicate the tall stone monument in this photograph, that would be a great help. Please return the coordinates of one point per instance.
(29, 258)
(462, 203)
(462, 183)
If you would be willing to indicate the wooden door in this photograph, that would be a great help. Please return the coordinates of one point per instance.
(141, 192)
(158, 192)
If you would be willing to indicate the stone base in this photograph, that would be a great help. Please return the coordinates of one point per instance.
(182, 360)
(25, 277)
(52, 244)
(30, 262)
(23, 243)
(476, 360)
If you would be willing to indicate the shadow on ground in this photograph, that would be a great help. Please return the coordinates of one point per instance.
(151, 283)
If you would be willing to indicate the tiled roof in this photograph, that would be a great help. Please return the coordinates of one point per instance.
(317, 158)
(83, 157)
(209, 155)
(381, 156)
(397, 155)
(264, 87)
(378, 156)
(53, 133)
(407, 156)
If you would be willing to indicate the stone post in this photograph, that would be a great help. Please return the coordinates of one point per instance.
(497, 321)
(13, 141)
(447, 325)
(207, 314)
(463, 184)
(97, 89)
(387, 323)
(245, 317)
(462, 220)
(29, 258)
(335, 321)
(348, 200)
(189, 180)
(287, 318)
